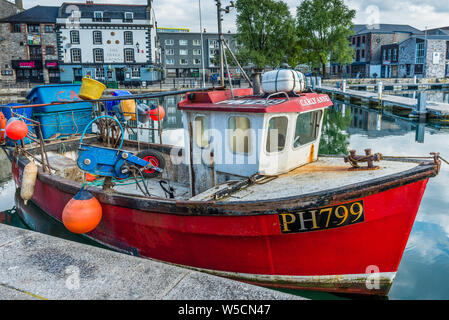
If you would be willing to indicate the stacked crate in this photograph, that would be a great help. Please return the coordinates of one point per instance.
(60, 120)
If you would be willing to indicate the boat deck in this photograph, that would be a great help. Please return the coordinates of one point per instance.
(325, 174)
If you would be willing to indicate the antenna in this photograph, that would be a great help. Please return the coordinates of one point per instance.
(220, 35)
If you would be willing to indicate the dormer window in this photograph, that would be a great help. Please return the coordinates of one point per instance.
(98, 15)
(128, 17)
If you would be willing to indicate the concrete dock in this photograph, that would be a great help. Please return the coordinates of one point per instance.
(38, 266)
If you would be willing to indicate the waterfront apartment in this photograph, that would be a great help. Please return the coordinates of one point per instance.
(183, 52)
(367, 43)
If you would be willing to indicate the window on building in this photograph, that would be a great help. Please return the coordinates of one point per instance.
(307, 128)
(75, 37)
(135, 72)
(363, 53)
(99, 73)
(169, 42)
(34, 28)
(128, 37)
(169, 52)
(98, 15)
(357, 55)
(128, 16)
(363, 39)
(358, 41)
(239, 129)
(48, 28)
(183, 42)
(169, 61)
(50, 50)
(196, 42)
(15, 27)
(183, 52)
(395, 55)
(276, 134)
(196, 61)
(196, 52)
(75, 55)
(129, 55)
(98, 55)
(213, 44)
(201, 131)
(97, 37)
(420, 52)
(183, 61)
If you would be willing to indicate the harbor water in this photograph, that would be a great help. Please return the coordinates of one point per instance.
(424, 269)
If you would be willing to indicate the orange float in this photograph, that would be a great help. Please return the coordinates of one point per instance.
(2, 128)
(82, 213)
(157, 111)
(16, 129)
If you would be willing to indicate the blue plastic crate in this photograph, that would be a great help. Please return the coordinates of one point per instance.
(57, 92)
(26, 112)
(65, 123)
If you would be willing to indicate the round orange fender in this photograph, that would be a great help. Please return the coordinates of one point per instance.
(82, 213)
(2, 127)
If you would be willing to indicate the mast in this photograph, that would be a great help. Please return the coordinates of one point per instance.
(220, 41)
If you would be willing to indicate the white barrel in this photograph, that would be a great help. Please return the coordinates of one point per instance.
(283, 80)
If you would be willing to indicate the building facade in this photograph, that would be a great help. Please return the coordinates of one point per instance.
(424, 57)
(367, 43)
(29, 51)
(110, 43)
(185, 52)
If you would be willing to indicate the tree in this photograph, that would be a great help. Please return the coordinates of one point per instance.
(266, 34)
(323, 29)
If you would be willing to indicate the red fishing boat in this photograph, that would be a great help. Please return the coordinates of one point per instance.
(247, 197)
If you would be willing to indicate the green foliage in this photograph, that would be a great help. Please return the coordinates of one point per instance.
(323, 29)
(266, 33)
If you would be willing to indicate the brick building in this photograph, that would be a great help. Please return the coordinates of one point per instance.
(29, 49)
(7, 9)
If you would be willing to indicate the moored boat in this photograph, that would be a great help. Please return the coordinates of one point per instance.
(247, 197)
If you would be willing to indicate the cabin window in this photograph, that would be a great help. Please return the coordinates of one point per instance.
(276, 134)
(239, 135)
(307, 128)
(201, 132)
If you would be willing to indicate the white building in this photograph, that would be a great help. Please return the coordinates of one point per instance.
(109, 42)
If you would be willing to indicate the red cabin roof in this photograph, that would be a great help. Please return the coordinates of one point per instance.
(244, 101)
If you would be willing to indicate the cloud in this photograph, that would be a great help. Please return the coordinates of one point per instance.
(185, 13)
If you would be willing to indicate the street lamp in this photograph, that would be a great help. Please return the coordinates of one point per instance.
(137, 47)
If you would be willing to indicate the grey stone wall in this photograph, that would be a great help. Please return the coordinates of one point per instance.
(13, 47)
(407, 55)
(7, 9)
(437, 70)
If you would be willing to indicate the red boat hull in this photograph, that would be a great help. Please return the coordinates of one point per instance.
(252, 247)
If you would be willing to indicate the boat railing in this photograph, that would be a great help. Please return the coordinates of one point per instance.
(106, 128)
(276, 94)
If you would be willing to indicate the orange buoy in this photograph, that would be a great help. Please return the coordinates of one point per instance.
(82, 213)
(2, 128)
(157, 111)
(16, 129)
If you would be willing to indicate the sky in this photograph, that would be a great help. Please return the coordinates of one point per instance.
(185, 13)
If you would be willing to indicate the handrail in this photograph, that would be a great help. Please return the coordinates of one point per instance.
(274, 94)
(119, 98)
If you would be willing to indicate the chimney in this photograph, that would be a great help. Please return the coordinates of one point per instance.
(19, 4)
